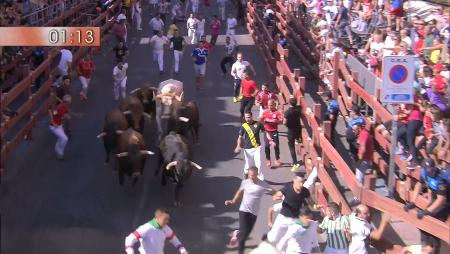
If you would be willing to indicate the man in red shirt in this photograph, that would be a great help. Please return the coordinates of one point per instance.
(57, 117)
(248, 92)
(206, 44)
(271, 118)
(263, 97)
(85, 68)
(365, 151)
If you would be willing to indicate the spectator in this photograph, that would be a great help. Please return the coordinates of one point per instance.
(343, 22)
(374, 48)
(37, 58)
(121, 51)
(362, 231)
(365, 151)
(332, 112)
(354, 119)
(337, 227)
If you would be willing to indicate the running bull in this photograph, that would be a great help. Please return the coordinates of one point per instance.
(134, 112)
(147, 95)
(175, 161)
(115, 124)
(131, 155)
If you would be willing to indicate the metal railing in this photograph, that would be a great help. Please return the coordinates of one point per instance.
(42, 15)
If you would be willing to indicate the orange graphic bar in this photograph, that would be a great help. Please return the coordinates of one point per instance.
(50, 36)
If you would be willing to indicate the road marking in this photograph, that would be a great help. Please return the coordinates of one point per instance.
(242, 40)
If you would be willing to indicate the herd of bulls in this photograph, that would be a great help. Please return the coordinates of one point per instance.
(177, 129)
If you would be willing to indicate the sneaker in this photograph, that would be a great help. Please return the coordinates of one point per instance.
(234, 239)
(295, 167)
(398, 151)
(269, 164)
(408, 206)
(277, 163)
(235, 99)
(355, 202)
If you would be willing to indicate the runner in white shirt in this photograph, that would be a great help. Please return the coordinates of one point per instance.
(120, 80)
(65, 63)
(156, 24)
(137, 18)
(157, 42)
(231, 28)
(195, 4)
(191, 25)
(200, 27)
(237, 71)
(152, 236)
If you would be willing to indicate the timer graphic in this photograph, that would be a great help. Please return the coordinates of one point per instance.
(50, 36)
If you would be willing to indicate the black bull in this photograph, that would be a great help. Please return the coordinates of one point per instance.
(131, 155)
(175, 162)
(114, 125)
(183, 119)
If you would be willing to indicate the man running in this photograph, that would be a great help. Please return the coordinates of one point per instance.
(237, 71)
(191, 25)
(215, 29)
(249, 140)
(157, 42)
(248, 91)
(200, 57)
(120, 80)
(263, 97)
(292, 122)
(271, 118)
(156, 24)
(57, 118)
(177, 43)
(228, 58)
(251, 191)
(153, 234)
(137, 10)
(231, 27)
(85, 68)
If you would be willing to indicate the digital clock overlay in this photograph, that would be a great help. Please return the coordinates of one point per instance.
(50, 36)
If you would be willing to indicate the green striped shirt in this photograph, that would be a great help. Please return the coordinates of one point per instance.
(336, 231)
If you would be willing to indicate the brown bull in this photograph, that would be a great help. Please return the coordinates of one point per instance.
(134, 112)
(147, 95)
(131, 155)
(114, 124)
(188, 120)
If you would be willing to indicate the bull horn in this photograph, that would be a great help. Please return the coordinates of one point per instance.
(183, 119)
(154, 95)
(135, 90)
(122, 154)
(146, 115)
(180, 98)
(119, 132)
(147, 152)
(171, 164)
(196, 165)
(101, 135)
(127, 112)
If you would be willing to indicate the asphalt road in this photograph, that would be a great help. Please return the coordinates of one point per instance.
(77, 206)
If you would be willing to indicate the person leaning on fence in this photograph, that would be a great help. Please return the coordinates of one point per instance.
(153, 234)
(248, 140)
(332, 112)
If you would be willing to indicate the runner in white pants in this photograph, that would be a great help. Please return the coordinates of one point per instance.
(120, 80)
(57, 117)
(157, 42)
(137, 18)
(295, 196)
(191, 25)
(85, 68)
(249, 140)
(231, 28)
(177, 43)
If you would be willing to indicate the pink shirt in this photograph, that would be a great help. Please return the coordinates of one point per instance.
(415, 114)
(215, 27)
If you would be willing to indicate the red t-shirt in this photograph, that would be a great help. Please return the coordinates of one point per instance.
(59, 113)
(365, 138)
(271, 119)
(86, 68)
(207, 45)
(248, 87)
(428, 126)
(263, 98)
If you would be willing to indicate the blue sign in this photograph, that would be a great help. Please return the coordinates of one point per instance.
(398, 74)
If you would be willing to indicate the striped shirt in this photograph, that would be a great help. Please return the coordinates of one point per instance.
(335, 229)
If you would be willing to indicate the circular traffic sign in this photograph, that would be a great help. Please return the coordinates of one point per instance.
(398, 74)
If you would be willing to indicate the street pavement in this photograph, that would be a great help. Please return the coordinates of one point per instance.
(77, 206)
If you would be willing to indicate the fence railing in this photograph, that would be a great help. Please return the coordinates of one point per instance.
(36, 105)
(317, 149)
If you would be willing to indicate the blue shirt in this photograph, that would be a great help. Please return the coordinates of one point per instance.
(353, 121)
(200, 55)
(333, 107)
(396, 4)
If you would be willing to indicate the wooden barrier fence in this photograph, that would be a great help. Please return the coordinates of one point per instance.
(34, 108)
(320, 152)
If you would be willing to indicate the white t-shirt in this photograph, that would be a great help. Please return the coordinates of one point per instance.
(191, 23)
(157, 25)
(120, 74)
(201, 26)
(299, 239)
(66, 59)
(407, 40)
(376, 47)
(231, 23)
(238, 68)
(158, 42)
(360, 231)
(388, 43)
(253, 192)
(121, 17)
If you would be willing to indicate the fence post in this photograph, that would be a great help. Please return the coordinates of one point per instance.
(354, 96)
(327, 132)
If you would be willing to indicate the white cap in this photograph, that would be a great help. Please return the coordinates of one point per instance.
(121, 16)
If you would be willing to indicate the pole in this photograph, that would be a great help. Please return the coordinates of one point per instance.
(391, 176)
